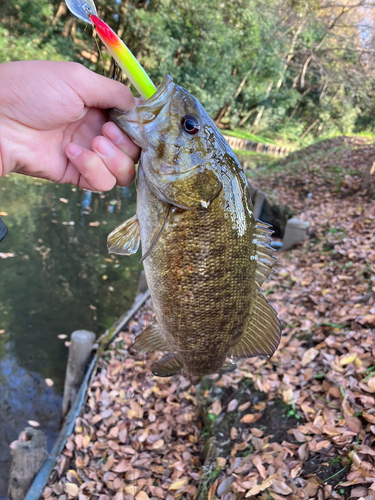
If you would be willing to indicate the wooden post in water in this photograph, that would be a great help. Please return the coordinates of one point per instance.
(28, 457)
(80, 349)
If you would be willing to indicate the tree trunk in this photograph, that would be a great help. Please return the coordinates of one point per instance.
(367, 178)
(315, 122)
(246, 117)
(262, 108)
(61, 11)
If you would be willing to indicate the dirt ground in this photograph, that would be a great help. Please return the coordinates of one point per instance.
(299, 426)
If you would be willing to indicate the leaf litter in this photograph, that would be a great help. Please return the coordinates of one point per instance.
(299, 426)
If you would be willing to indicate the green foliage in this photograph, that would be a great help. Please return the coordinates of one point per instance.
(247, 61)
(245, 134)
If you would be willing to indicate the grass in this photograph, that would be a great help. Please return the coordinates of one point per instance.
(251, 161)
(244, 134)
(246, 152)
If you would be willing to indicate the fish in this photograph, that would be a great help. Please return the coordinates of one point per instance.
(205, 256)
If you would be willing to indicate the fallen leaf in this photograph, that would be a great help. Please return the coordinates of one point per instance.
(309, 356)
(348, 358)
(232, 405)
(216, 408)
(33, 423)
(6, 255)
(178, 484)
(261, 487)
(247, 419)
(288, 396)
(72, 490)
(281, 487)
(142, 495)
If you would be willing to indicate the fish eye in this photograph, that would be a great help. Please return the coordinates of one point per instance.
(190, 124)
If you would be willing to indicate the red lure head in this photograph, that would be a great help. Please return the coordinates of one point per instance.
(104, 31)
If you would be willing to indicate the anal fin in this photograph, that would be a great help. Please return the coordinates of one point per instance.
(125, 239)
(151, 339)
(262, 335)
(167, 366)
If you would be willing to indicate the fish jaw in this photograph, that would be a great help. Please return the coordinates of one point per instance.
(137, 121)
(129, 123)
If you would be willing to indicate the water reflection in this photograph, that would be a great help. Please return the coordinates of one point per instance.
(61, 277)
(24, 396)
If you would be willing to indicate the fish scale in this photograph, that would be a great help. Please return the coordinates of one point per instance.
(205, 255)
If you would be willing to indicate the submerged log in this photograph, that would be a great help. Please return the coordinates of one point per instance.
(29, 455)
(80, 349)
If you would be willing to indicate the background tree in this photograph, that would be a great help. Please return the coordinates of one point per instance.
(289, 68)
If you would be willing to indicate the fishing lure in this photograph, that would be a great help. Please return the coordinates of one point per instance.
(86, 11)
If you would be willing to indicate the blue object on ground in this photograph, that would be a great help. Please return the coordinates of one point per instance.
(3, 230)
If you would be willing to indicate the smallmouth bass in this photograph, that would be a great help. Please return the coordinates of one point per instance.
(205, 255)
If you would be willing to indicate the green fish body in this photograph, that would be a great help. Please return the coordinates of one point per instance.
(205, 255)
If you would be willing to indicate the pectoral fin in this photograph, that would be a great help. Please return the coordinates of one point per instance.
(263, 332)
(125, 239)
(151, 339)
(167, 366)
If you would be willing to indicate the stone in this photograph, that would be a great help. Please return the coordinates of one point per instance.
(277, 216)
(295, 232)
(260, 196)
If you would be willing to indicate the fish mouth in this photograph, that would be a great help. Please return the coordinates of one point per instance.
(129, 124)
(134, 121)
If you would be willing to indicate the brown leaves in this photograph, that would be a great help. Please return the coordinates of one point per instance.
(288, 424)
(216, 408)
(263, 486)
(137, 437)
(72, 490)
(323, 371)
(247, 419)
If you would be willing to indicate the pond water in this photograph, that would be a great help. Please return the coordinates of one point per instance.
(55, 277)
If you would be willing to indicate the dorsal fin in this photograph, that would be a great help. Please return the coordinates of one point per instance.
(263, 255)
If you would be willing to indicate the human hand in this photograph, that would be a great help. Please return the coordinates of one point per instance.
(53, 125)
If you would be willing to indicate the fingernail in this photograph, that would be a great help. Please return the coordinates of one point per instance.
(105, 148)
(114, 134)
(73, 150)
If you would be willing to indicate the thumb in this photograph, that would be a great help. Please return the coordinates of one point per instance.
(97, 91)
